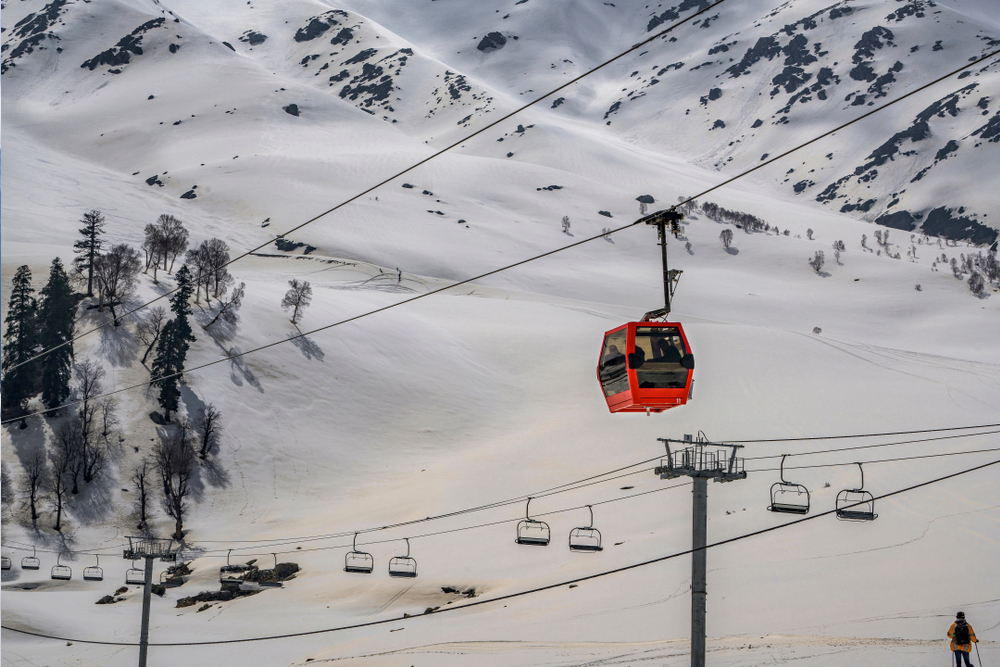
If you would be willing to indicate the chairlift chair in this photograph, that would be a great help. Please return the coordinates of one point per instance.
(358, 562)
(4, 563)
(788, 497)
(531, 532)
(586, 539)
(403, 566)
(228, 572)
(856, 504)
(61, 572)
(134, 576)
(31, 562)
(94, 573)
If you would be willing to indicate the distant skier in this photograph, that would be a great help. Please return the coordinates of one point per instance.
(962, 638)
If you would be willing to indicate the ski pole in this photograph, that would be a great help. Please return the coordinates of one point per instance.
(978, 657)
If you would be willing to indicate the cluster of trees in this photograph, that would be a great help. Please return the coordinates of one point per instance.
(33, 325)
(39, 359)
(746, 221)
(983, 269)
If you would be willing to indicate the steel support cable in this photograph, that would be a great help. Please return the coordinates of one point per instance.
(420, 163)
(518, 594)
(515, 264)
(859, 435)
(280, 542)
(892, 460)
(880, 444)
(260, 544)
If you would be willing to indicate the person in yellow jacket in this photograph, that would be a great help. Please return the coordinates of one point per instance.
(962, 638)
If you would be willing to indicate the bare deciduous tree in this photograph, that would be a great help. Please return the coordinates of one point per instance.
(228, 307)
(838, 247)
(298, 297)
(817, 261)
(149, 328)
(565, 224)
(153, 246)
(726, 237)
(116, 274)
(139, 474)
(64, 453)
(174, 461)
(175, 239)
(89, 375)
(35, 478)
(809, 234)
(209, 426)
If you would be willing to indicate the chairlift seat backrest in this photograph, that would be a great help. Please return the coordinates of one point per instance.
(856, 505)
(93, 574)
(533, 533)
(789, 498)
(359, 562)
(30, 563)
(4, 563)
(585, 539)
(62, 572)
(135, 577)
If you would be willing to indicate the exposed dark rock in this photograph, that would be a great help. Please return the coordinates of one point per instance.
(360, 57)
(645, 199)
(32, 30)
(227, 44)
(551, 187)
(253, 38)
(606, 214)
(556, 102)
(942, 222)
(862, 206)
(121, 53)
(713, 94)
(189, 195)
(319, 24)
(674, 12)
(717, 125)
(991, 130)
(870, 42)
(154, 180)
(757, 123)
(292, 109)
(903, 220)
(493, 41)
(343, 74)
(766, 47)
(372, 86)
(343, 37)
(285, 245)
(407, 185)
(802, 185)
(948, 149)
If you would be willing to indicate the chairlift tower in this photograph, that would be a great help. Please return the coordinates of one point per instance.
(148, 548)
(701, 464)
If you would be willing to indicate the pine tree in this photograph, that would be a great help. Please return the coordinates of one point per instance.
(56, 335)
(89, 247)
(172, 347)
(19, 342)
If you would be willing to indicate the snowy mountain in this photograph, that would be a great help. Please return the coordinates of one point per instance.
(247, 119)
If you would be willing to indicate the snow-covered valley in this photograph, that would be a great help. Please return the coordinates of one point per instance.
(486, 394)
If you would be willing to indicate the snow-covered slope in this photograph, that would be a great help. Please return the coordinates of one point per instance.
(488, 393)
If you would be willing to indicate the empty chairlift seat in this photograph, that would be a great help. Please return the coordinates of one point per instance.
(358, 562)
(403, 566)
(94, 573)
(61, 572)
(856, 504)
(788, 497)
(532, 532)
(134, 576)
(30, 562)
(5, 563)
(586, 539)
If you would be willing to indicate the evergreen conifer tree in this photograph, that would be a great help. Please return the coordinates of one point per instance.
(172, 347)
(56, 335)
(89, 247)
(19, 342)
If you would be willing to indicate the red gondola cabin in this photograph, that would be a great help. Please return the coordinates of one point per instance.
(646, 366)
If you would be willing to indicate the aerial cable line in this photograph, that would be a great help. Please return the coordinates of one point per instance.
(863, 435)
(880, 444)
(508, 596)
(508, 266)
(372, 188)
(281, 542)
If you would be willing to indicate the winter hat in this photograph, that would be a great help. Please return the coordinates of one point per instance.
(960, 614)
